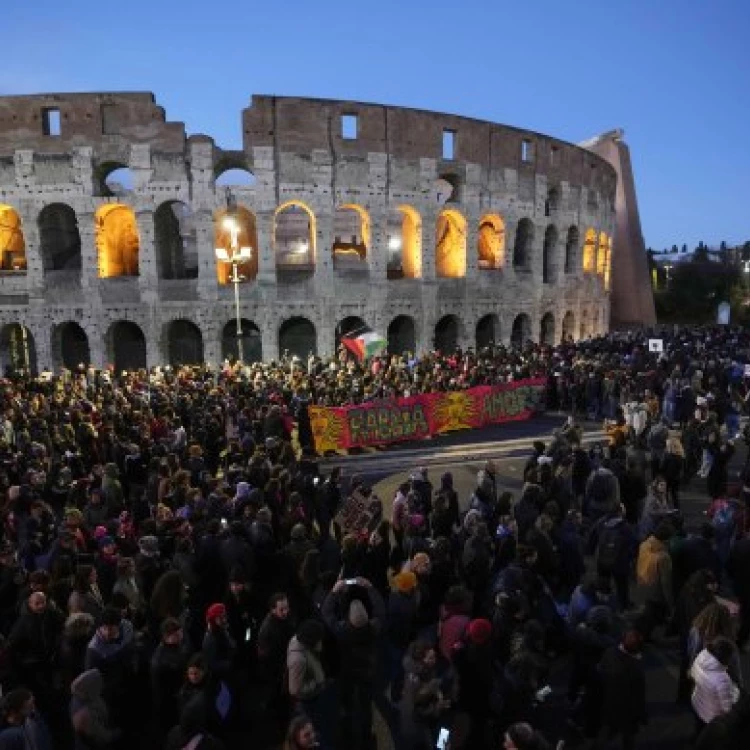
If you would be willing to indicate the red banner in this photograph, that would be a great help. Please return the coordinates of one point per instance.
(418, 417)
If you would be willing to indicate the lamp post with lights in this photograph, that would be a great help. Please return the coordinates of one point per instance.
(236, 256)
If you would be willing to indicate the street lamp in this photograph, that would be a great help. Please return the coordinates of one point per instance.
(236, 256)
(668, 267)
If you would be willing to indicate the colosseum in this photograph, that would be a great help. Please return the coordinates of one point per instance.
(436, 230)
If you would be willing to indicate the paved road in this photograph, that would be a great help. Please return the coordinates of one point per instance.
(671, 725)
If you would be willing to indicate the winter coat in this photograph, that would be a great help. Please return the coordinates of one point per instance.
(89, 714)
(168, 665)
(306, 675)
(714, 693)
(401, 618)
(623, 684)
(115, 660)
(220, 649)
(33, 643)
(654, 572)
(654, 511)
(75, 641)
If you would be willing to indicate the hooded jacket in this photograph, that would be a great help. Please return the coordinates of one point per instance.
(714, 693)
(306, 675)
(654, 572)
(114, 659)
(88, 712)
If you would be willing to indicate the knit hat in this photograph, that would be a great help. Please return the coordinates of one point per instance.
(105, 541)
(479, 631)
(357, 614)
(148, 546)
(100, 531)
(214, 612)
(405, 582)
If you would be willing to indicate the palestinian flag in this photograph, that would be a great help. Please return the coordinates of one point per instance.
(364, 345)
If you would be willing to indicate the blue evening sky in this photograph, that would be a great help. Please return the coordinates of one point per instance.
(675, 74)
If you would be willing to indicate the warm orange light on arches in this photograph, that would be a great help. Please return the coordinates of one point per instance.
(364, 221)
(117, 240)
(450, 245)
(491, 242)
(601, 255)
(608, 266)
(411, 242)
(312, 231)
(589, 251)
(12, 243)
(247, 237)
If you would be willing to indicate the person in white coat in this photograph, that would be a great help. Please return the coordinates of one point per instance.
(714, 693)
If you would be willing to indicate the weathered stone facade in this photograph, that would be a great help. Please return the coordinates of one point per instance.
(432, 228)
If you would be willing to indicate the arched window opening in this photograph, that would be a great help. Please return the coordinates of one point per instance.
(297, 338)
(450, 250)
(447, 334)
(589, 251)
(294, 237)
(569, 326)
(126, 346)
(59, 238)
(17, 349)
(549, 264)
(116, 180)
(601, 254)
(488, 331)
(252, 345)
(404, 244)
(12, 243)
(571, 249)
(235, 177)
(351, 237)
(71, 346)
(521, 331)
(523, 245)
(348, 327)
(185, 343)
(226, 223)
(552, 204)
(547, 329)
(491, 242)
(402, 337)
(176, 252)
(446, 189)
(117, 240)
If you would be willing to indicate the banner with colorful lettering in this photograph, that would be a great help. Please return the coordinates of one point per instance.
(418, 417)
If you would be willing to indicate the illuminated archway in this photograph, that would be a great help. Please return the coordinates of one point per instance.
(12, 243)
(176, 257)
(601, 254)
(524, 244)
(547, 330)
(184, 343)
(402, 336)
(571, 249)
(70, 346)
(447, 333)
(247, 237)
(488, 331)
(569, 326)
(450, 245)
(126, 346)
(491, 242)
(297, 337)
(294, 237)
(59, 238)
(17, 349)
(549, 259)
(252, 345)
(404, 244)
(521, 330)
(589, 251)
(351, 236)
(117, 240)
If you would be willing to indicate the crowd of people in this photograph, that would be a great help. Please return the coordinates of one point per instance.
(177, 570)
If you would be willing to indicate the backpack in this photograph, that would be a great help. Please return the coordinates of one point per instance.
(611, 547)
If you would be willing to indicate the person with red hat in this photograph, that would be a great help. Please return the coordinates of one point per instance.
(219, 647)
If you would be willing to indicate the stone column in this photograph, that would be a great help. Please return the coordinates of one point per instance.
(472, 247)
(154, 341)
(270, 340)
(34, 262)
(429, 234)
(148, 274)
(42, 335)
(97, 348)
(208, 284)
(89, 258)
(211, 344)
(264, 222)
(324, 254)
(377, 253)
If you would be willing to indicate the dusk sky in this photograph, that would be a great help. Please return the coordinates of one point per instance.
(675, 74)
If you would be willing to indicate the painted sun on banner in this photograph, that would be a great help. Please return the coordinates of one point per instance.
(455, 411)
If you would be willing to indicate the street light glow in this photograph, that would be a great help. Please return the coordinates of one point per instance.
(222, 254)
(394, 243)
(229, 223)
